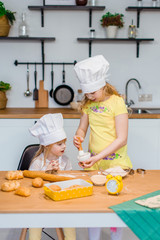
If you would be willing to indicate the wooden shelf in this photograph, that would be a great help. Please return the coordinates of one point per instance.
(139, 9)
(137, 40)
(66, 7)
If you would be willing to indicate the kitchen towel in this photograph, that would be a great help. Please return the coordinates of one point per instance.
(143, 221)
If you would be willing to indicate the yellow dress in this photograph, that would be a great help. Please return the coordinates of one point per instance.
(103, 133)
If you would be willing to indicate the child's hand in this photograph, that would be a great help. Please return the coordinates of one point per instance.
(88, 163)
(76, 141)
(54, 165)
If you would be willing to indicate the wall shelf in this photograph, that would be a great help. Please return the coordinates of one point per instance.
(66, 7)
(137, 40)
(139, 9)
(41, 39)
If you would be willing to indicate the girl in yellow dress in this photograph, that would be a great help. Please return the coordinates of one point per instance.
(104, 111)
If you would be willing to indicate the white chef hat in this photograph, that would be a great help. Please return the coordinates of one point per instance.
(92, 73)
(49, 129)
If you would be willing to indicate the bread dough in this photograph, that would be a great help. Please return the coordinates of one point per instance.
(55, 187)
(14, 175)
(37, 182)
(23, 191)
(9, 186)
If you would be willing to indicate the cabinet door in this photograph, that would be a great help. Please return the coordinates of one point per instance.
(14, 137)
(143, 143)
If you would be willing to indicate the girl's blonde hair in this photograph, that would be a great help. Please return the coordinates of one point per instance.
(45, 150)
(109, 90)
(42, 149)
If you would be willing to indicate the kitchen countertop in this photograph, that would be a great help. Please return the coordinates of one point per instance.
(68, 113)
(133, 186)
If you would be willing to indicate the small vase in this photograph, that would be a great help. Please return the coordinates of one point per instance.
(4, 26)
(3, 100)
(111, 31)
(81, 2)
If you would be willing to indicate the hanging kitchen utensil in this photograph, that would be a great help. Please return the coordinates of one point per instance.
(42, 101)
(52, 79)
(63, 94)
(27, 93)
(35, 91)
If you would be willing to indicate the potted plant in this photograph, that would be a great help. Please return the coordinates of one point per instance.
(112, 22)
(7, 17)
(3, 99)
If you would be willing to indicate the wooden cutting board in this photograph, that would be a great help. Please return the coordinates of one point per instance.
(42, 101)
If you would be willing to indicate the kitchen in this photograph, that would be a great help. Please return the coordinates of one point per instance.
(123, 65)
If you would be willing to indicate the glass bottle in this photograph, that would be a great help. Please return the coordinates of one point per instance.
(132, 31)
(23, 28)
(79, 95)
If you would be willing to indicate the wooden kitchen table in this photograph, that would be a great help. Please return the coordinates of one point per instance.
(92, 211)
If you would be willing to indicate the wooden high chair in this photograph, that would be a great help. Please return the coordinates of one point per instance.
(24, 163)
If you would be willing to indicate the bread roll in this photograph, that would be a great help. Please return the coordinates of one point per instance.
(55, 187)
(37, 182)
(14, 175)
(45, 176)
(73, 187)
(9, 186)
(23, 191)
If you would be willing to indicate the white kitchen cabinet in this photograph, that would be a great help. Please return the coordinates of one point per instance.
(15, 136)
(144, 143)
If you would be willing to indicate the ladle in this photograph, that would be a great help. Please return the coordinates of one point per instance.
(82, 156)
(27, 93)
(52, 79)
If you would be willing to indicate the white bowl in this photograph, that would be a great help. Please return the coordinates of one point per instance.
(84, 157)
(98, 180)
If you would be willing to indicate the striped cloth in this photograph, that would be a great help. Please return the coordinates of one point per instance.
(143, 221)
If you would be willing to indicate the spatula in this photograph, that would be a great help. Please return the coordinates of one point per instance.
(35, 91)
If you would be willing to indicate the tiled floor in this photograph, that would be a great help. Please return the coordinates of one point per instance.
(13, 234)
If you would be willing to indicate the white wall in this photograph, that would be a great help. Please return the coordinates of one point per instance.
(66, 27)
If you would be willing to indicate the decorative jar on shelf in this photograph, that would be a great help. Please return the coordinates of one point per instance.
(81, 2)
(111, 31)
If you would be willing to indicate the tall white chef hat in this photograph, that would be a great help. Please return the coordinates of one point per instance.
(49, 129)
(92, 73)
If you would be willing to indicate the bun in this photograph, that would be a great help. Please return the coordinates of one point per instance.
(55, 187)
(14, 175)
(23, 191)
(73, 187)
(37, 182)
(9, 186)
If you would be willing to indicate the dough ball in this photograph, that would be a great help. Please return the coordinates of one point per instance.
(37, 182)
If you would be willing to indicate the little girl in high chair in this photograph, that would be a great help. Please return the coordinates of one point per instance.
(104, 110)
(50, 156)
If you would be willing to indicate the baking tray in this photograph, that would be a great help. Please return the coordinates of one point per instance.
(84, 191)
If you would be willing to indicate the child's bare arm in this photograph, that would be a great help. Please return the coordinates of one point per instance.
(82, 130)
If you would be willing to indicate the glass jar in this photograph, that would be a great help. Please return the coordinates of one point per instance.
(139, 3)
(92, 33)
(79, 95)
(132, 31)
(154, 3)
(23, 28)
(92, 2)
